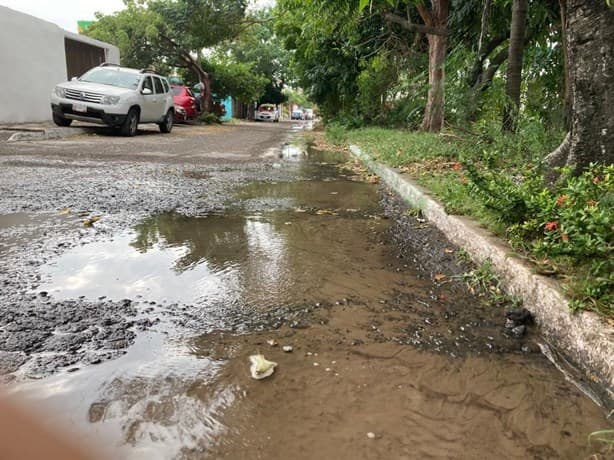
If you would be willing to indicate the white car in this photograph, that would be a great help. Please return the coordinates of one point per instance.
(115, 96)
(267, 112)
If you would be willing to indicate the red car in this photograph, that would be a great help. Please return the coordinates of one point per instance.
(185, 103)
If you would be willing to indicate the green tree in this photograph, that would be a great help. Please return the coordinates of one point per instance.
(173, 32)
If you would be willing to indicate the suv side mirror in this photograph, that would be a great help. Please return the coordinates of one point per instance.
(146, 91)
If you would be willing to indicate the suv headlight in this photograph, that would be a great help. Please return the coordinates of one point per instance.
(59, 91)
(110, 100)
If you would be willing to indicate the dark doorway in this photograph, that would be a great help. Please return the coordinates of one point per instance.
(81, 57)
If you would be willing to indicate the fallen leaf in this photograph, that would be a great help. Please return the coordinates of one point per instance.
(90, 222)
(64, 211)
(448, 251)
(439, 277)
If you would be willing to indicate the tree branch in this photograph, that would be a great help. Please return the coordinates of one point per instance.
(425, 14)
(425, 29)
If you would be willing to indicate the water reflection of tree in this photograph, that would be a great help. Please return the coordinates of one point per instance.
(219, 240)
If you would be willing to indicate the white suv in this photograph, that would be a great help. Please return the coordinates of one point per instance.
(116, 96)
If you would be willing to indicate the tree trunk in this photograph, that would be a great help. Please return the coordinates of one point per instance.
(437, 17)
(590, 35)
(514, 64)
(434, 111)
(566, 89)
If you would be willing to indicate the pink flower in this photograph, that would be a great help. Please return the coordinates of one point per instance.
(561, 200)
(565, 237)
(457, 166)
(596, 180)
(551, 226)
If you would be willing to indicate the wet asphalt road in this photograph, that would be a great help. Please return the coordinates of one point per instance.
(49, 188)
(256, 241)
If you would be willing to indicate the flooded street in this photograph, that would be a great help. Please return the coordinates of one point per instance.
(145, 322)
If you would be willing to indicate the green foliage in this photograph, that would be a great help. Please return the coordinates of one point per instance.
(133, 31)
(209, 118)
(568, 227)
(483, 281)
(237, 79)
(259, 47)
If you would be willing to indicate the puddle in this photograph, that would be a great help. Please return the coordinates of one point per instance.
(183, 389)
(250, 258)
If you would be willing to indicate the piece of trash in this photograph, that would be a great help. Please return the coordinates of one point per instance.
(287, 348)
(272, 342)
(420, 220)
(439, 277)
(448, 251)
(64, 211)
(91, 221)
(261, 367)
(371, 435)
(328, 369)
(316, 364)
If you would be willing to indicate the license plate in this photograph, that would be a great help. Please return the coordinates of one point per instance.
(79, 107)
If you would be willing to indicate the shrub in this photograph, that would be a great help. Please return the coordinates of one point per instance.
(209, 118)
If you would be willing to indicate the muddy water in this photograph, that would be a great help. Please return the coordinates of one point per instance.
(305, 264)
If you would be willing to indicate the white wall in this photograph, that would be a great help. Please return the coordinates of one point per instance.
(32, 62)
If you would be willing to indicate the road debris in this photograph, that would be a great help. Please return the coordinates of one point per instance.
(261, 367)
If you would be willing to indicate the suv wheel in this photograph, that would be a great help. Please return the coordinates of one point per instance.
(61, 121)
(167, 124)
(130, 124)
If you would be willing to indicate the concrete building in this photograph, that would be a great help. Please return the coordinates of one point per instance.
(35, 55)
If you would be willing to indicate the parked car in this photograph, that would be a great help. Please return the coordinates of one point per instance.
(185, 103)
(116, 96)
(267, 112)
(297, 114)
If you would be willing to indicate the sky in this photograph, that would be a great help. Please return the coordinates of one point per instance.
(66, 13)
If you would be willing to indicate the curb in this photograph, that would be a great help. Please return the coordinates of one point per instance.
(44, 134)
(585, 338)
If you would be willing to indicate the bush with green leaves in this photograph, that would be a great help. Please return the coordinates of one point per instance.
(569, 225)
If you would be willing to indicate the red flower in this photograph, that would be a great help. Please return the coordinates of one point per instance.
(561, 200)
(551, 226)
(457, 166)
(565, 237)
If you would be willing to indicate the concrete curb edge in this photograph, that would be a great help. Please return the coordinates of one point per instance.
(45, 134)
(585, 338)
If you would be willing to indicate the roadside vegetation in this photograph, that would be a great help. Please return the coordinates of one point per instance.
(564, 229)
(474, 101)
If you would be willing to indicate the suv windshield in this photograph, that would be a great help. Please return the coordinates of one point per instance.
(113, 77)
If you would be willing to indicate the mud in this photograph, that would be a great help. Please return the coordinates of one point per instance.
(211, 245)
